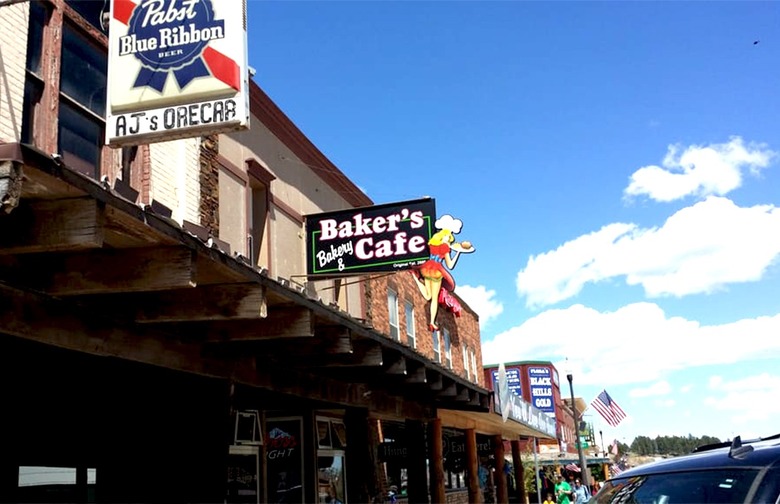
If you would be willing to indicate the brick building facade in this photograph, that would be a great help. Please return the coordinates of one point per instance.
(463, 331)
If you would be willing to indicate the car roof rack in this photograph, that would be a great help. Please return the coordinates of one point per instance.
(736, 446)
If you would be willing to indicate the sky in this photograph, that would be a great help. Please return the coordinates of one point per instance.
(615, 164)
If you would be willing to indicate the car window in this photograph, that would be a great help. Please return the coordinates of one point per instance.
(719, 486)
(769, 490)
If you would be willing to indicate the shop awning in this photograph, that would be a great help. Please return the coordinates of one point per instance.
(168, 295)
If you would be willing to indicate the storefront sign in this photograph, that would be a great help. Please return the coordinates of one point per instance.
(524, 413)
(176, 68)
(456, 446)
(512, 380)
(540, 382)
(381, 238)
(391, 451)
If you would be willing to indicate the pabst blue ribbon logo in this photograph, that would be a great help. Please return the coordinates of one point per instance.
(171, 36)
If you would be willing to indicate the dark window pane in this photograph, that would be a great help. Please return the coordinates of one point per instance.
(90, 10)
(83, 75)
(713, 486)
(33, 89)
(80, 139)
(35, 36)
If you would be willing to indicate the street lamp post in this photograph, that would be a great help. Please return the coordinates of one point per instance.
(603, 448)
(583, 466)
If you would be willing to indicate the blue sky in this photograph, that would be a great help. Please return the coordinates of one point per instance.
(615, 164)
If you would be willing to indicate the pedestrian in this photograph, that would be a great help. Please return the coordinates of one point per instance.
(549, 499)
(562, 491)
(581, 492)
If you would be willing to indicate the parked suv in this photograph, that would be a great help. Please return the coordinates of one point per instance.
(732, 472)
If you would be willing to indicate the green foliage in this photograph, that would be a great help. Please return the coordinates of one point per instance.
(668, 445)
(529, 471)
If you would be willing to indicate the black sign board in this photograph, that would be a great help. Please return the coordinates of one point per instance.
(381, 238)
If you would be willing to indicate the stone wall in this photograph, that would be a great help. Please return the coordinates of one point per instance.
(209, 184)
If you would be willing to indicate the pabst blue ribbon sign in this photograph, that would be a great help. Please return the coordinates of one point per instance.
(176, 68)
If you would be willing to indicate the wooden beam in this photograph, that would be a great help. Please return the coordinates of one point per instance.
(62, 323)
(334, 340)
(435, 381)
(463, 395)
(448, 390)
(204, 303)
(327, 342)
(365, 353)
(280, 323)
(394, 363)
(107, 271)
(472, 463)
(416, 373)
(52, 225)
(437, 462)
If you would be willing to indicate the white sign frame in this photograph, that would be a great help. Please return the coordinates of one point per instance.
(176, 69)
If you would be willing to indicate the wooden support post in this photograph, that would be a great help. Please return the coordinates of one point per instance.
(417, 485)
(437, 462)
(517, 461)
(472, 462)
(502, 491)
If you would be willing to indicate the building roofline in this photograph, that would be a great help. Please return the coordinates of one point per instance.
(264, 108)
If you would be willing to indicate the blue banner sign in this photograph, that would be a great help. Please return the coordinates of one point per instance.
(512, 380)
(540, 381)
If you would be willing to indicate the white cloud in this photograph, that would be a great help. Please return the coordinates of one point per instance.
(656, 389)
(637, 343)
(699, 249)
(699, 170)
(481, 301)
(746, 401)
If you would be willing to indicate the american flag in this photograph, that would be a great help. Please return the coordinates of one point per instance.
(615, 470)
(608, 408)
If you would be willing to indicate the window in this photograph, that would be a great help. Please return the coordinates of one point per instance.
(392, 309)
(260, 178)
(90, 10)
(713, 485)
(474, 365)
(436, 346)
(55, 484)
(466, 361)
(410, 336)
(257, 224)
(447, 349)
(82, 101)
(33, 86)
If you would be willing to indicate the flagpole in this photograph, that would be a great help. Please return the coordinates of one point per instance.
(536, 469)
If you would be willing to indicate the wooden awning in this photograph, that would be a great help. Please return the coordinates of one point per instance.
(82, 266)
